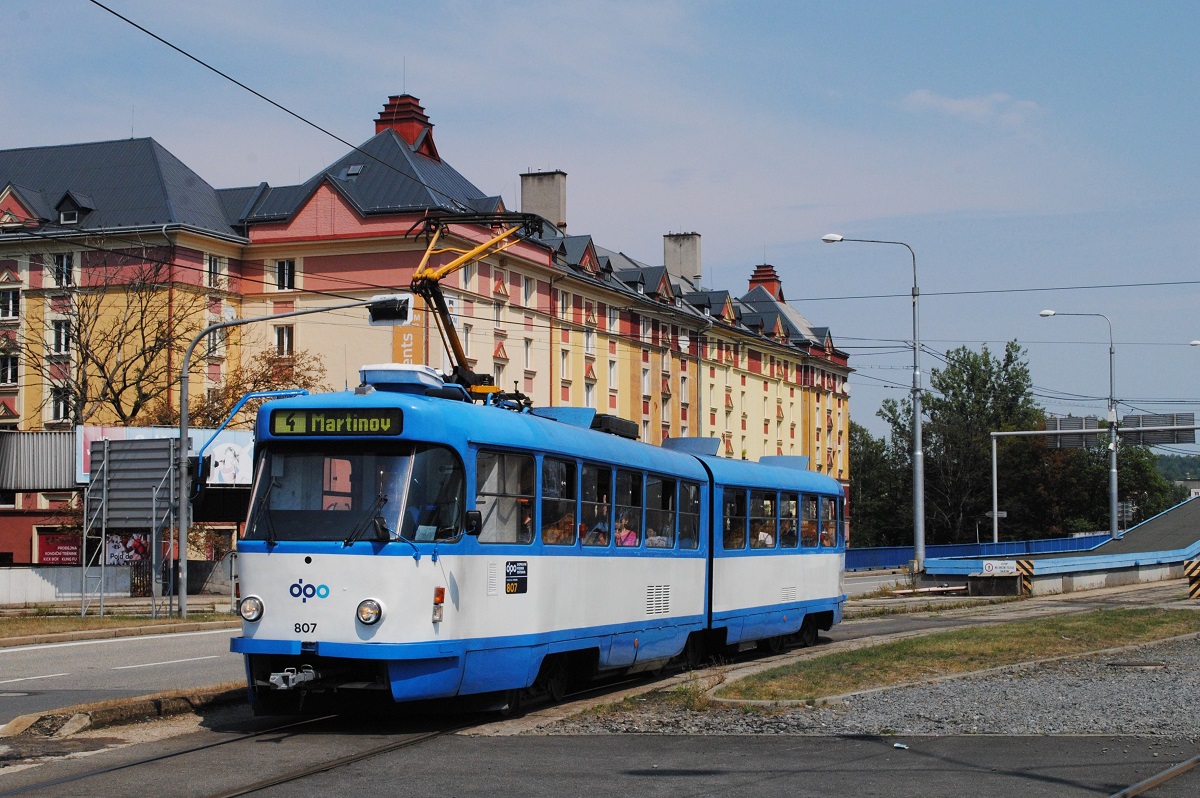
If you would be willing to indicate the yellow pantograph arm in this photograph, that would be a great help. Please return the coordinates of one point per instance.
(495, 244)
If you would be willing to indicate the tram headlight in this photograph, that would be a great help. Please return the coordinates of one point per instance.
(250, 608)
(369, 611)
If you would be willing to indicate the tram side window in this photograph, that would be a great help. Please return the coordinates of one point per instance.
(558, 502)
(628, 531)
(789, 506)
(829, 536)
(808, 521)
(504, 495)
(596, 502)
(436, 491)
(762, 519)
(689, 515)
(734, 515)
(660, 512)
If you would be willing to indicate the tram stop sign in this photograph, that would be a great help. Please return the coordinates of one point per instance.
(390, 310)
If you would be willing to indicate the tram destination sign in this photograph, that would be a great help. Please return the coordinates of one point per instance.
(337, 421)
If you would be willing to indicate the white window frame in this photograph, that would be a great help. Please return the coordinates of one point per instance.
(527, 354)
(528, 290)
(285, 340)
(285, 274)
(60, 404)
(466, 339)
(614, 318)
(9, 369)
(60, 342)
(589, 341)
(645, 381)
(564, 304)
(612, 373)
(10, 303)
(214, 271)
(589, 395)
(64, 269)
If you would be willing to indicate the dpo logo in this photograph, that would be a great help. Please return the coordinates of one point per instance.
(305, 592)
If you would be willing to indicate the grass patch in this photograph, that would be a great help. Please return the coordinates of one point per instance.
(26, 625)
(963, 651)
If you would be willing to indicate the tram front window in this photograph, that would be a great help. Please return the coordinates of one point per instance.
(350, 493)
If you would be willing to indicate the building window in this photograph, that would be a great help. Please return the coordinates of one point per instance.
(62, 337)
(528, 360)
(285, 275)
(216, 343)
(498, 374)
(612, 374)
(529, 290)
(683, 390)
(645, 382)
(614, 318)
(284, 339)
(10, 304)
(466, 340)
(68, 217)
(60, 404)
(589, 395)
(8, 370)
(64, 269)
(497, 311)
(589, 341)
(564, 304)
(469, 275)
(564, 360)
(214, 271)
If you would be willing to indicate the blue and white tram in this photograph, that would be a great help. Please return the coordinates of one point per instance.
(404, 545)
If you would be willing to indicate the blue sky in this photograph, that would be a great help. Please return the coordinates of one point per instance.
(1034, 155)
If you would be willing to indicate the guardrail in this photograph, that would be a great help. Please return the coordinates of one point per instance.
(900, 556)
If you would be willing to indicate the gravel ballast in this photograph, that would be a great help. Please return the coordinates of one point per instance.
(1144, 691)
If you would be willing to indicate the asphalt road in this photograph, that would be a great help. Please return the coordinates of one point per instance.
(54, 675)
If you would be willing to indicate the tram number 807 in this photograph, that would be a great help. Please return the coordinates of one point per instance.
(302, 628)
(516, 577)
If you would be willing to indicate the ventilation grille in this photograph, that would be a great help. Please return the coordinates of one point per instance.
(658, 600)
(789, 593)
(493, 583)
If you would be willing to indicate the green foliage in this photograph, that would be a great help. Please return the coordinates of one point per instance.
(1045, 492)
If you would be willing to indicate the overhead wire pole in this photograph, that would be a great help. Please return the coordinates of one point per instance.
(1113, 530)
(918, 454)
(183, 510)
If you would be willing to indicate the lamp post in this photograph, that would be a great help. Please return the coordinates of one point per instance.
(918, 454)
(392, 308)
(1112, 421)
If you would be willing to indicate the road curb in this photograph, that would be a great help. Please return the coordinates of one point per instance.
(64, 722)
(124, 631)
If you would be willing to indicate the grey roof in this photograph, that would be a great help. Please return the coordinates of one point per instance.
(760, 302)
(384, 175)
(117, 184)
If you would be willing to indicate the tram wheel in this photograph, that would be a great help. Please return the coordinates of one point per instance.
(770, 645)
(693, 652)
(808, 633)
(512, 703)
(555, 679)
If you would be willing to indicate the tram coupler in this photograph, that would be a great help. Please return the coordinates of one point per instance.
(291, 678)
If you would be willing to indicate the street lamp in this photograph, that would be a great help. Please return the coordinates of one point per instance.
(918, 453)
(385, 309)
(1112, 420)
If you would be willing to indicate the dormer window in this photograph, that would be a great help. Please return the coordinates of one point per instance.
(354, 170)
(68, 217)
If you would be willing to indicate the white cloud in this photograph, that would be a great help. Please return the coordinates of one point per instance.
(996, 108)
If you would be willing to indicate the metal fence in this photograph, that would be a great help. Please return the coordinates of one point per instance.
(899, 556)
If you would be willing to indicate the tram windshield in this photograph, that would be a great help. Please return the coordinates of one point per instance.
(410, 491)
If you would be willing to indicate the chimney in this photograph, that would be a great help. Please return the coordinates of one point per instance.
(765, 276)
(405, 115)
(681, 256)
(545, 193)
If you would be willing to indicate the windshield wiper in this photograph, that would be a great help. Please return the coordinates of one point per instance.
(374, 516)
(262, 506)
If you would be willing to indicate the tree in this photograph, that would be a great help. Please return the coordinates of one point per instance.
(880, 496)
(263, 371)
(105, 342)
(974, 395)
